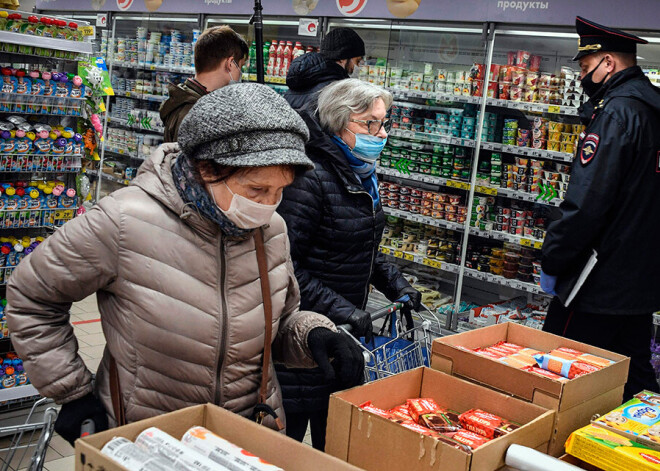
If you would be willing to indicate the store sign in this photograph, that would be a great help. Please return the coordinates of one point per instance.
(546, 12)
(351, 7)
(101, 20)
(308, 27)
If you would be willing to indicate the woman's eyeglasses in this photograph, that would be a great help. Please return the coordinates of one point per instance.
(374, 125)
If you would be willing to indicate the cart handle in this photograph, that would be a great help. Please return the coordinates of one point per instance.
(379, 314)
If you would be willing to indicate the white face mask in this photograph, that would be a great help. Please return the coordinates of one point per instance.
(240, 76)
(245, 213)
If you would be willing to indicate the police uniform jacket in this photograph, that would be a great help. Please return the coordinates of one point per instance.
(612, 204)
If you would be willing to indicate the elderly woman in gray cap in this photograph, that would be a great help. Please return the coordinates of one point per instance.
(194, 280)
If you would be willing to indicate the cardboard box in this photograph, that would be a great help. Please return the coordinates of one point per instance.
(575, 401)
(375, 443)
(257, 439)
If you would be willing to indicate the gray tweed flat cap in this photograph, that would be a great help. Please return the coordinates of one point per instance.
(245, 125)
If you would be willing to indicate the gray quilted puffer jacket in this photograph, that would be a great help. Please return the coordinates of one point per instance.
(181, 305)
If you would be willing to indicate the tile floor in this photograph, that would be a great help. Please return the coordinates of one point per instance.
(86, 325)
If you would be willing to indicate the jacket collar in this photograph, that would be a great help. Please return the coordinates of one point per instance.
(322, 144)
(613, 88)
(155, 178)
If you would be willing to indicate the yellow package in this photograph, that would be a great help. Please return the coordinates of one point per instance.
(639, 417)
(610, 451)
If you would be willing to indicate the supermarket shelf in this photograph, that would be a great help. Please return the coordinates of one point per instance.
(125, 152)
(268, 79)
(21, 392)
(481, 189)
(124, 122)
(432, 138)
(81, 47)
(105, 176)
(515, 105)
(469, 272)
(162, 68)
(495, 235)
(528, 152)
(143, 96)
(533, 107)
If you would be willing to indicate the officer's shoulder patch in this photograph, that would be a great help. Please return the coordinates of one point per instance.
(589, 148)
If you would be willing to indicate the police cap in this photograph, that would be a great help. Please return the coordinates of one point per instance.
(599, 38)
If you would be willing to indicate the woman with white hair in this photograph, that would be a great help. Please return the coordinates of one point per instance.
(335, 223)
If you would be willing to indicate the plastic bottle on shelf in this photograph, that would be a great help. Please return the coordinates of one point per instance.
(272, 58)
(279, 58)
(298, 51)
(309, 49)
(266, 52)
(252, 59)
(286, 58)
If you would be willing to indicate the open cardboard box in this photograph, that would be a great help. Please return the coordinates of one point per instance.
(257, 439)
(576, 401)
(375, 443)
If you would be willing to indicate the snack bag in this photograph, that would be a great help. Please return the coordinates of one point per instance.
(546, 373)
(415, 427)
(485, 424)
(567, 368)
(441, 421)
(419, 407)
(470, 439)
(400, 413)
(367, 406)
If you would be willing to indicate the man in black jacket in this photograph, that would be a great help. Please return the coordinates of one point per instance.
(335, 223)
(612, 208)
(341, 51)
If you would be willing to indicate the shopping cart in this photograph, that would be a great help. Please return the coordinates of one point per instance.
(20, 444)
(403, 349)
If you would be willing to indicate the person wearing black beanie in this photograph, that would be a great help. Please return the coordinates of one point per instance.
(342, 51)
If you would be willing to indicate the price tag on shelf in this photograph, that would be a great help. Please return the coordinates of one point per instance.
(64, 214)
(408, 256)
(152, 67)
(385, 250)
(538, 244)
(487, 190)
(537, 108)
(398, 254)
(526, 242)
(87, 30)
(554, 109)
(459, 185)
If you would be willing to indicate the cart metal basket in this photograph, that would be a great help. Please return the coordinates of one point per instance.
(24, 446)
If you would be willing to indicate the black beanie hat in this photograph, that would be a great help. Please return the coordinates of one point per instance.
(342, 43)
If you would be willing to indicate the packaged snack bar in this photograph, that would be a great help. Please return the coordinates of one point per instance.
(158, 443)
(400, 413)
(375, 410)
(224, 453)
(514, 362)
(470, 439)
(510, 346)
(567, 368)
(528, 360)
(487, 354)
(570, 351)
(419, 429)
(595, 360)
(529, 351)
(640, 416)
(547, 374)
(492, 353)
(419, 407)
(565, 355)
(501, 350)
(441, 421)
(485, 424)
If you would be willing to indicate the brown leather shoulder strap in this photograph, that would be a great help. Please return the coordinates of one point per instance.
(268, 311)
(115, 393)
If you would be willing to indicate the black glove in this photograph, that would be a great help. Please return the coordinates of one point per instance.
(361, 322)
(74, 413)
(413, 304)
(338, 356)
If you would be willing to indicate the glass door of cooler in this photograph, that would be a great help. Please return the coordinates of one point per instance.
(530, 130)
(146, 53)
(435, 73)
(648, 55)
(282, 44)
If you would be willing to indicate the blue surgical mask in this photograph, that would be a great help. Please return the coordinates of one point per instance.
(367, 147)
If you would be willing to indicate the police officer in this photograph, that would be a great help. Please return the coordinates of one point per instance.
(612, 207)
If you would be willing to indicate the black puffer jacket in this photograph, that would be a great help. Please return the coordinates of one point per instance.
(308, 75)
(334, 232)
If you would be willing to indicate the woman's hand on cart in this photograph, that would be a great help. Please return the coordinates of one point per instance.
(411, 299)
(338, 356)
(73, 414)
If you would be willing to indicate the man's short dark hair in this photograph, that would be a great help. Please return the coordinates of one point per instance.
(217, 44)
